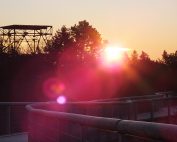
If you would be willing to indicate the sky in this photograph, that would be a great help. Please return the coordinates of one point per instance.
(148, 25)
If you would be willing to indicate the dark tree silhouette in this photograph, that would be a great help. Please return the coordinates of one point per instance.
(1, 46)
(144, 56)
(87, 39)
(170, 59)
(164, 56)
(25, 74)
(82, 38)
(60, 41)
(134, 56)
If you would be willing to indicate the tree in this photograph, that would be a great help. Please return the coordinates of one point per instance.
(82, 39)
(60, 41)
(87, 39)
(170, 59)
(164, 56)
(144, 56)
(134, 56)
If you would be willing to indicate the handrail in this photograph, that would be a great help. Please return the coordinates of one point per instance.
(16, 103)
(12, 116)
(108, 123)
(111, 124)
(148, 130)
(126, 98)
(157, 95)
(123, 102)
(95, 102)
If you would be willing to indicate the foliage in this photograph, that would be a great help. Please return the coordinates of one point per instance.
(134, 56)
(82, 39)
(170, 59)
(144, 56)
(25, 74)
(60, 41)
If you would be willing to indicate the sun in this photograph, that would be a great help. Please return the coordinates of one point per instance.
(113, 55)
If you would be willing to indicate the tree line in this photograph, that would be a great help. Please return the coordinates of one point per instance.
(22, 74)
(84, 42)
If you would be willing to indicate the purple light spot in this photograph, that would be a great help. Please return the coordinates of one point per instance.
(61, 100)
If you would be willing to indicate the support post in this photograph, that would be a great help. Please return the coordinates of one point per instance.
(9, 119)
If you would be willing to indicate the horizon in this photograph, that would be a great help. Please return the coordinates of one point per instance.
(139, 25)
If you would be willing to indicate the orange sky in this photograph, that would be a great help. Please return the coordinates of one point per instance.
(149, 25)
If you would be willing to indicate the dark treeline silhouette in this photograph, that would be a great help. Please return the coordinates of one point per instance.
(23, 76)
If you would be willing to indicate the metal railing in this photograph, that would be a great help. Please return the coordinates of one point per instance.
(147, 109)
(159, 108)
(98, 120)
(13, 117)
(147, 96)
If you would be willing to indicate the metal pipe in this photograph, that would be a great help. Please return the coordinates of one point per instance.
(148, 130)
(9, 119)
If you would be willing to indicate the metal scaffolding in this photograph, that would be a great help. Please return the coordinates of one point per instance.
(29, 39)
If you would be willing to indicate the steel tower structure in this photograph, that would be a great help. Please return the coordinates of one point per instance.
(29, 39)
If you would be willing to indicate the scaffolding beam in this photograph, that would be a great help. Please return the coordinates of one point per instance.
(25, 39)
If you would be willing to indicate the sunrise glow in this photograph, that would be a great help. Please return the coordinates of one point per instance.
(113, 55)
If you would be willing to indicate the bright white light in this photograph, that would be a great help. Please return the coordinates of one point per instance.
(113, 55)
(61, 100)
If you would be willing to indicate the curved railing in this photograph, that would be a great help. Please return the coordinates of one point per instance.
(56, 126)
(148, 95)
(13, 116)
(77, 122)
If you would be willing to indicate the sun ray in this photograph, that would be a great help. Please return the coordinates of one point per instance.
(113, 55)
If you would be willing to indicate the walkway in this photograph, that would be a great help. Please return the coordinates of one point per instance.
(19, 137)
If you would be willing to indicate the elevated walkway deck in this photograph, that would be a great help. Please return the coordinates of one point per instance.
(18, 137)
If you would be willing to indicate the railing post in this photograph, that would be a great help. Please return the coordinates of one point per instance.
(82, 133)
(129, 109)
(119, 137)
(112, 110)
(59, 131)
(152, 110)
(169, 110)
(9, 119)
(135, 110)
(31, 128)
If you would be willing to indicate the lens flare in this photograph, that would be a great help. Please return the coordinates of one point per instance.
(112, 56)
(53, 87)
(61, 100)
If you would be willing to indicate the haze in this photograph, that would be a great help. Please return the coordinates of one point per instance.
(148, 25)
